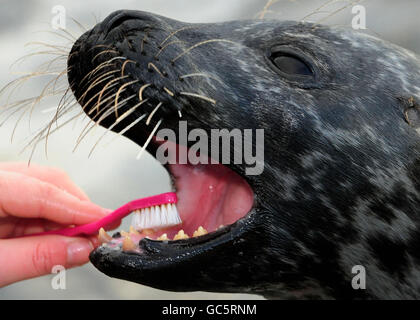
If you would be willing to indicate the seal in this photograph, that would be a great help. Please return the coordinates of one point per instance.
(340, 190)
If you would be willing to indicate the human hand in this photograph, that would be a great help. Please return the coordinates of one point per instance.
(36, 199)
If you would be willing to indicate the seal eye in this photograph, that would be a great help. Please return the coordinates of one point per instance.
(291, 65)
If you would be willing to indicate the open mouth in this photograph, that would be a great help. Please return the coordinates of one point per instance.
(131, 80)
(210, 197)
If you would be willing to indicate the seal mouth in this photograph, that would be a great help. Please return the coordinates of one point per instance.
(211, 197)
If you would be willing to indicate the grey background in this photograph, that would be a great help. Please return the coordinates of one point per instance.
(112, 176)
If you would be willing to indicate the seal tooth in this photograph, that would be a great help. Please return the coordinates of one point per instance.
(163, 237)
(128, 244)
(103, 236)
(220, 227)
(181, 235)
(200, 232)
(124, 233)
(133, 231)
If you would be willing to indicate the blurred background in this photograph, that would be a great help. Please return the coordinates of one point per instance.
(112, 176)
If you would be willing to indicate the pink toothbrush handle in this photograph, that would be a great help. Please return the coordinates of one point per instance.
(93, 227)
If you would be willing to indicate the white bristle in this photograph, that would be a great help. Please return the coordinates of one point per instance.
(156, 217)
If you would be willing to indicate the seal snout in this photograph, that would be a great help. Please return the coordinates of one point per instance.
(121, 63)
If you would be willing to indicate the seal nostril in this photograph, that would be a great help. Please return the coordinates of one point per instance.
(117, 18)
(117, 22)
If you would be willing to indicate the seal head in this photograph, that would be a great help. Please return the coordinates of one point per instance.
(340, 186)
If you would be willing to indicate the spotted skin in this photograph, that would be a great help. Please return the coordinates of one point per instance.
(341, 179)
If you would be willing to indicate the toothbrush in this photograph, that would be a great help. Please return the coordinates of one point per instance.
(93, 227)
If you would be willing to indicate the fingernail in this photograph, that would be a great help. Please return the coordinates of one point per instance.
(78, 251)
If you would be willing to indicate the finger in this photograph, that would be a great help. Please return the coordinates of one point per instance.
(11, 227)
(54, 176)
(25, 258)
(26, 197)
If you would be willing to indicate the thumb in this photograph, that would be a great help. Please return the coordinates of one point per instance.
(30, 257)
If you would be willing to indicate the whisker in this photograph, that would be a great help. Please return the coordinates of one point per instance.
(103, 100)
(196, 95)
(131, 125)
(118, 94)
(105, 87)
(143, 41)
(89, 112)
(350, 3)
(141, 90)
(94, 97)
(82, 27)
(103, 52)
(267, 6)
(101, 46)
(130, 111)
(152, 65)
(169, 92)
(102, 65)
(124, 64)
(38, 138)
(85, 130)
(53, 81)
(205, 75)
(167, 45)
(20, 81)
(38, 53)
(176, 31)
(148, 140)
(325, 4)
(98, 80)
(57, 34)
(69, 34)
(108, 129)
(61, 106)
(152, 113)
(200, 44)
(64, 49)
